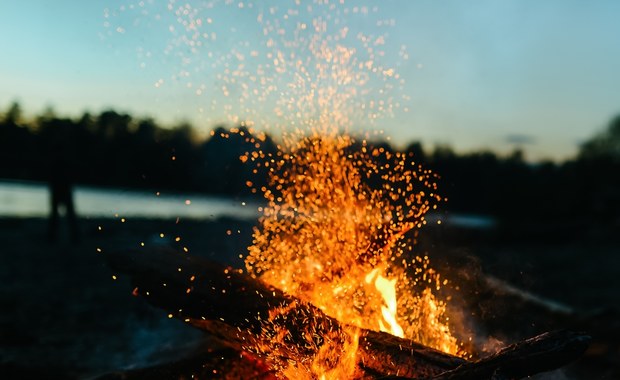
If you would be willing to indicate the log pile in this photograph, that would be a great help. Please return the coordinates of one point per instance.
(233, 306)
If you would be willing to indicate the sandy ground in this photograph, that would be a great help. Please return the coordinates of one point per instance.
(64, 316)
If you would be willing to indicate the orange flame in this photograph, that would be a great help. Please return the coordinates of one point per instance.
(331, 239)
(387, 288)
(342, 216)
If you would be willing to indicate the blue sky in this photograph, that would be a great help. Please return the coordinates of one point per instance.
(479, 74)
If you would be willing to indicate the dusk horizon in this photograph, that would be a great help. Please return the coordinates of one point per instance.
(481, 76)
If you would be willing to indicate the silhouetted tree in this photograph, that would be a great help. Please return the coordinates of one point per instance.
(605, 145)
(17, 145)
(417, 151)
(597, 171)
(14, 114)
(224, 171)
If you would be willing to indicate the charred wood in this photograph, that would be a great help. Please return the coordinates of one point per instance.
(234, 307)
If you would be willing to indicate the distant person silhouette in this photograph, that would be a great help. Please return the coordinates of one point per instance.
(61, 195)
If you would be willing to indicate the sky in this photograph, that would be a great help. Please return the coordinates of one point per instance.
(498, 75)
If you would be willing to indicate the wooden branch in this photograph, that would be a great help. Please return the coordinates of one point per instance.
(541, 353)
(234, 307)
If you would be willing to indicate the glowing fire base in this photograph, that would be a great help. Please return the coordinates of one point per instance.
(236, 308)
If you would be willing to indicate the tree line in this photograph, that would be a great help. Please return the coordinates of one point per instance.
(116, 149)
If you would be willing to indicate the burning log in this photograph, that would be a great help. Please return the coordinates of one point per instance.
(239, 310)
(541, 353)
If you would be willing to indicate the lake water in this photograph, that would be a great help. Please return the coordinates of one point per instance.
(31, 199)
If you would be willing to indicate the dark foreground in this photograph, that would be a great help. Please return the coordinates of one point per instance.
(64, 316)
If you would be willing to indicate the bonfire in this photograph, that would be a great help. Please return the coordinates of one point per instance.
(331, 288)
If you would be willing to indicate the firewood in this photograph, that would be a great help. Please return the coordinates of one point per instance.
(234, 307)
(541, 353)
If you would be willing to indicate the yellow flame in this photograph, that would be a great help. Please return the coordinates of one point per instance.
(387, 288)
(329, 238)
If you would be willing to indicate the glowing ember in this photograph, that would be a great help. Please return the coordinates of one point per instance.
(331, 239)
(342, 216)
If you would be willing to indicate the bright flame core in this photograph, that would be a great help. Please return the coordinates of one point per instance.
(387, 289)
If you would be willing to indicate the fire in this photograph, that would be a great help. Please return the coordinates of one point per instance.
(387, 289)
(338, 233)
(343, 216)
